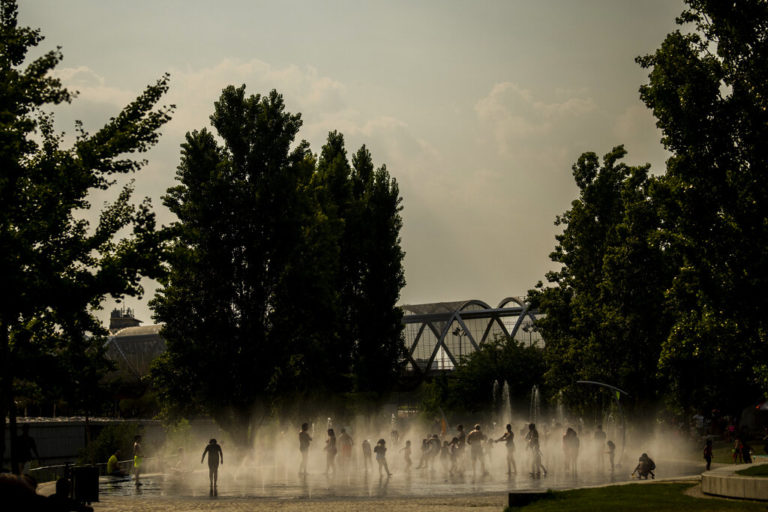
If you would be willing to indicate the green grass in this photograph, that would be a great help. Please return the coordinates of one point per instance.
(761, 470)
(636, 498)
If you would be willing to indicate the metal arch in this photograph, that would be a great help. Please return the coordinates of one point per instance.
(516, 300)
(475, 302)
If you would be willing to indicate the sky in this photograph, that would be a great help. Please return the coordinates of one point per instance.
(478, 108)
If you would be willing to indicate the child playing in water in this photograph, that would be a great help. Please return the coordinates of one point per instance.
(381, 456)
(304, 440)
(509, 441)
(708, 453)
(367, 454)
(645, 467)
(213, 450)
(407, 455)
(330, 452)
(611, 452)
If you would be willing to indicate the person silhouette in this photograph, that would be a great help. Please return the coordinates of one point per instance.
(25, 449)
(381, 457)
(214, 452)
(138, 457)
(304, 440)
(509, 441)
(330, 452)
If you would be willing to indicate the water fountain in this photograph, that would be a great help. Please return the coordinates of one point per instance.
(270, 468)
(534, 412)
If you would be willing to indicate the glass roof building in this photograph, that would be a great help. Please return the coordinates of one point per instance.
(439, 335)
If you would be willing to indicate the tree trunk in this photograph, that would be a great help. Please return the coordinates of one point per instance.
(5, 377)
(12, 436)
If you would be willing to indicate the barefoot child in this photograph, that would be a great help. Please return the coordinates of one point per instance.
(381, 456)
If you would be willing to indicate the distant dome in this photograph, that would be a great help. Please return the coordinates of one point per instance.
(133, 349)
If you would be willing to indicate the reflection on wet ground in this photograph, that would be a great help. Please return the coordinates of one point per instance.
(272, 482)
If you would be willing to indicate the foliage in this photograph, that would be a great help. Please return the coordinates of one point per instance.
(113, 437)
(604, 315)
(364, 203)
(708, 91)
(278, 257)
(469, 388)
(55, 267)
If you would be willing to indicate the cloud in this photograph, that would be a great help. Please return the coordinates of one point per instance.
(92, 87)
(513, 114)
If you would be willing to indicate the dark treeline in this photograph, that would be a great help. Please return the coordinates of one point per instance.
(279, 279)
(285, 270)
(56, 267)
(662, 285)
(281, 275)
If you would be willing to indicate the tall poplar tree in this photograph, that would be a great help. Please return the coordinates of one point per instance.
(233, 341)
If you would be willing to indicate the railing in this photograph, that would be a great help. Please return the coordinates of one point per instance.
(54, 472)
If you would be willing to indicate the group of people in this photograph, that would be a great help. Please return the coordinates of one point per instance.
(344, 443)
(453, 453)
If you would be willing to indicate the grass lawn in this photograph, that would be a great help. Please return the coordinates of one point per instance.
(641, 498)
(761, 470)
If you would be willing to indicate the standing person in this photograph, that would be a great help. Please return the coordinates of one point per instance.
(461, 445)
(25, 449)
(407, 455)
(570, 449)
(611, 452)
(304, 440)
(599, 443)
(454, 453)
(381, 456)
(330, 452)
(138, 457)
(708, 453)
(475, 441)
(532, 438)
(367, 454)
(738, 448)
(345, 442)
(509, 441)
(214, 452)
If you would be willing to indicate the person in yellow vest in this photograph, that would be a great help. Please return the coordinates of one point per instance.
(113, 466)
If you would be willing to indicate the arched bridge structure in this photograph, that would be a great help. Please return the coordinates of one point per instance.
(439, 335)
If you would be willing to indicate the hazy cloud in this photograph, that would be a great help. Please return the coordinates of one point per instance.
(513, 114)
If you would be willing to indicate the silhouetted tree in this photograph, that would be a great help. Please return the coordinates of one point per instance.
(708, 89)
(604, 317)
(55, 267)
(276, 252)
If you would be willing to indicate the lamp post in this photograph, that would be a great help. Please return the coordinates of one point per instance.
(458, 331)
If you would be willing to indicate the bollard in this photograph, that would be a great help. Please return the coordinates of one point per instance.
(85, 480)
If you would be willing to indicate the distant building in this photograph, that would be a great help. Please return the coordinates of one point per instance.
(437, 336)
(133, 347)
(122, 318)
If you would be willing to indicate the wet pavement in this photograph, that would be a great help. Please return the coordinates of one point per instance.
(277, 482)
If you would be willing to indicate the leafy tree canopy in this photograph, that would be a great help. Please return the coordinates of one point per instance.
(55, 266)
(282, 265)
(708, 90)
